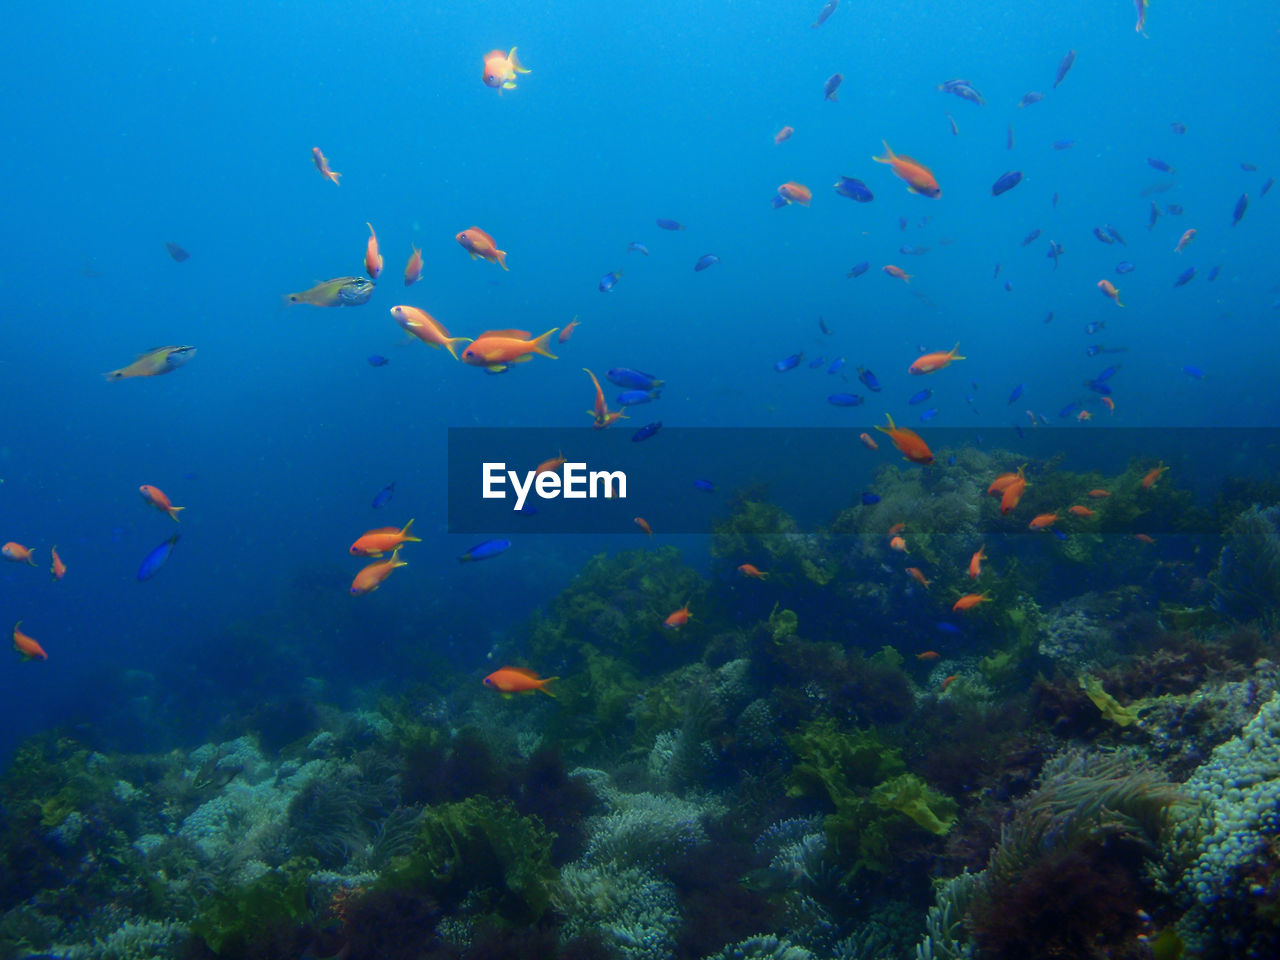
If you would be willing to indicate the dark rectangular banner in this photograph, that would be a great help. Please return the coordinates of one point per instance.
(856, 480)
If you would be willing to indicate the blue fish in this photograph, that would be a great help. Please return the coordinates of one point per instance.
(815, 364)
(920, 397)
(1194, 372)
(1055, 199)
(1124, 266)
(831, 86)
(483, 551)
(911, 250)
(854, 190)
(869, 380)
(705, 485)
(1094, 326)
(1178, 127)
(1101, 235)
(1213, 274)
(996, 272)
(869, 499)
(1114, 234)
(1241, 206)
(835, 365)
(1160, 165)
(635, 246)
(384, 495)
(1058, 534)
(1055, 251)
(633, 397)
(944, 627)
(704, 261)
(1017, 428)
(608, 280)
(156, 558)
(647, 431)
(1048, 317)
(778, 201)
(1069, 409)
(1006, 181)
(822, 325)
(790, 363)
(378, 361)
(669, 224)
(858, 269)
(1017, 392)
(1030, 238)
(1267, 185)
(1106, 374)
(1008, 286)
(1173, 208)
(951, 460)
(1098, 387)
(844, 399)
(928, 415)
(1063, 144)
(1185, 277)
(634, 379)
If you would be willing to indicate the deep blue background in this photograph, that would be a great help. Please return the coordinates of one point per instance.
(130, 124)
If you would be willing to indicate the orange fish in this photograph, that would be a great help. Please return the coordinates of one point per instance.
(918, 178)
(602, 414)
(513, 680)
(1111, 404)
(932, 362)
(1098, 494)
(1152, 476)
(783, 134)
(322, 164)
(497, 348)
(372, 258)
(374, 543)
(17, 553)
(1001, 483)
(1042, 521)
(500, 69)
(750, 570)
(897, 543)
(918, 576)
(928, 655)
(1143, 538)
(1079, 511)
(155, 496)
(481, 246)
(975, 563)
(898, 272)
(550, 466)
(57, 569)
(1013, 493)
(970, 600)
(896, 529)
(26, 647)
(1184, 240)
(678, 619)
(1109, 290)
(567, 332)
(427, 328)
(793, 192)
(413, 269)
(949, 681)
(643, 524)
(908, 442)
(370, 578)
(868, 441)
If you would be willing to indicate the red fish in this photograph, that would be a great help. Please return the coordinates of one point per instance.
(1079, 511)
(917, 575)
(322, 164)
(868, 441)
(679, 618)
(567, 332)
(932, 362)
(372, 258)
(427, 328)
(1152, 476)
(918, 178)
(375, 543)
(898, 272)
(17, 553)
(602, 414)
(27, 647)
(156, 497)
(370, 578)
(793, 192)
(750, 570)
(481, 246)
(500, 69)
(496, 349)
(513, 680)
(1185, 239)
(970, 600)
(57, 569)
(783, 134)
(1013, 493)
(1109, 290)
(643, 524)
(928, 655)
(413, 269)
(1042, 521)
(975, 563)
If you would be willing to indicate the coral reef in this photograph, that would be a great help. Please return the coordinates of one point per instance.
(1248, 574)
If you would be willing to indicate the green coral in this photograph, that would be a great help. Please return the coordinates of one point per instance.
(234, 917)
(911, 796)
(836, 762)
(482, 849)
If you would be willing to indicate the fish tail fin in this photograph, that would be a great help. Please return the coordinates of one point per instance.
(516, 65)
(542, 687)
(542, 344)
(888, 154)
(501, 257)
(31, 559)
(452, 343)
(173, 512)
(955, 355)
(395, 560)
(891, 427)
(404, 534)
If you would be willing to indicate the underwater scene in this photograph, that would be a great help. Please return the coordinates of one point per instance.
(720, 480)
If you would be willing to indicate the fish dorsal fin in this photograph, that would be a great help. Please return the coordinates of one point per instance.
(525, 672)
(520, 334)
(383, 530)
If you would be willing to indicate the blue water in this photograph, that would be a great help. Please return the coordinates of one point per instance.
(129, 126)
